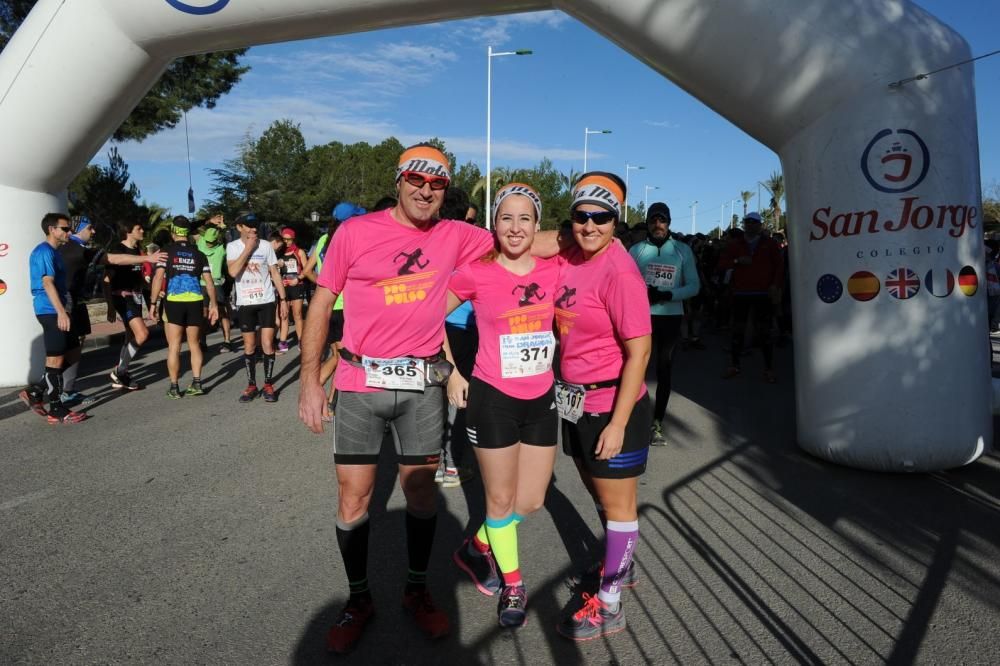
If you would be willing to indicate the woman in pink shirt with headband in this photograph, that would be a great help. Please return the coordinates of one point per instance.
(605, 330)
(510, 419)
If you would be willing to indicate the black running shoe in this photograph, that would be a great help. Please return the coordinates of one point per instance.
(480, 567)
(510, 610)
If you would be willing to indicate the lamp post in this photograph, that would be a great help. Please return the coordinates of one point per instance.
(629, 167)
(586, 137)
(314, 216)
(645, 196)
(694, 216)
(489, 120)
(732, 206)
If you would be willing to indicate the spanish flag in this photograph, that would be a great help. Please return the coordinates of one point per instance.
(968, 281)
(863, 286)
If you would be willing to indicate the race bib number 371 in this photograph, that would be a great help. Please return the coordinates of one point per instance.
(526, 354)
(394, 373)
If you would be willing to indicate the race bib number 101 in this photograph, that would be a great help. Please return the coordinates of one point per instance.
(569, 401)
(394, 373)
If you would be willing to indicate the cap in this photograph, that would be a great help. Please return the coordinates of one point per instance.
(288, 232)
(248, 220)
(180, 226)
(82, 224)
(346, 210)
(658, 209)
(211, 234)
(752, 217)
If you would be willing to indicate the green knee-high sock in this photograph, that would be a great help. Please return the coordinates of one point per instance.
(503, 541)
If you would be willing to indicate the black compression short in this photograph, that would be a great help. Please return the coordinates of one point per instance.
(252, 316)
(495, 420)
(580, 440)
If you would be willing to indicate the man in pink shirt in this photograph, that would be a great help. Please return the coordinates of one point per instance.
(393, 268)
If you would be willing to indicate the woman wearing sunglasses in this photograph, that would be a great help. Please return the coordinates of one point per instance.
(605, 337)
(510, 418)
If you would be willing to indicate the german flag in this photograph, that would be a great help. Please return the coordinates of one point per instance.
(3, 287)
(863, 286)
(968, 281)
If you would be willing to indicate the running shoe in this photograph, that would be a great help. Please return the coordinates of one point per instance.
(656, 437)
(60, 414)
(346, 631)
(123, 381)
(429, 618)
(174, 393)
(510, 610)
(593, 620)
(590, 578)
(282, 347)
(249, 393)
(454, 477)
(225, 347)
(34, 399)
(479, 566)
(71, 397)
(269, 393)
(195, 389)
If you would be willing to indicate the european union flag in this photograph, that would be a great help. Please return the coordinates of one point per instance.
(829, 288)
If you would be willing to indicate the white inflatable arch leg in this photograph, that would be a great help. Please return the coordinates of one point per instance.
(891, 357)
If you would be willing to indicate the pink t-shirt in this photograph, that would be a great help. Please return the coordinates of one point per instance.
(599, 304)
(394, 280)
(519, 308)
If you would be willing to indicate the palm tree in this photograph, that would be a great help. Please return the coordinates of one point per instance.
(746, 196)
(568, 180)
(776, 186)
(499, 177)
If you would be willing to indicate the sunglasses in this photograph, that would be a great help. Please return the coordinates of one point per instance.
(598, 216)
(418, 180)
(67, 229)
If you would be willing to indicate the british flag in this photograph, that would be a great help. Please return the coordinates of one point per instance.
(902, 283)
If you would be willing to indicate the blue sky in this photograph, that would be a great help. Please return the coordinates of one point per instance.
(430, 80)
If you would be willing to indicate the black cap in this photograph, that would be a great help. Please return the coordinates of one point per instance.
(248, 220)
(658, 209)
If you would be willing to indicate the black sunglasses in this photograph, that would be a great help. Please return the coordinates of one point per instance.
(64, 228)
(598, 216)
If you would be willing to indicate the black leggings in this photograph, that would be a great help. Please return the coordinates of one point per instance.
(759, 309)
(666, 332)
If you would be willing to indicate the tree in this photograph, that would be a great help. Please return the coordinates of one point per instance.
(746, 196)
(107, 196)
(991, 207)
(776, 186)
(198, 80)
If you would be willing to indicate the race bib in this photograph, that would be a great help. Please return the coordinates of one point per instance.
(569, 401)
(526, 354)
(394, 373)
(137, 297)
(292, 266)
(660, 275)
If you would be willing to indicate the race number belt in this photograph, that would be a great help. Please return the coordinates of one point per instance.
(570, 397)
(406, 373)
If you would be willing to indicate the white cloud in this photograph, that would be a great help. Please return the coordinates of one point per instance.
(497, 30)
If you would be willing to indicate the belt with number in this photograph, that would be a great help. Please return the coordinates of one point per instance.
(355, 360)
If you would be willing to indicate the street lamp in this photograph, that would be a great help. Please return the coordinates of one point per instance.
(694, 217)
(314, 216)
(586, 136)
(645, 196)
(628, 167)
(489, 120)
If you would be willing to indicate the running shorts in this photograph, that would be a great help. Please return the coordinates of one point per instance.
(495, 420)
(252, 316)
(294, 293)
(184, 313)
(127, 308)
(81, 319)
(415, 420)
(336, 331)
(57, 342)
(580, 440)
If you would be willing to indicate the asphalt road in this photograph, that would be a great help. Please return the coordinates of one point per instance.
(202, 531)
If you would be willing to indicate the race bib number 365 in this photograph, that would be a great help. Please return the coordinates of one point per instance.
(526, 354)
(394, 373)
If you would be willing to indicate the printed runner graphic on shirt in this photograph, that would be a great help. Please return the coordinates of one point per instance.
(565, 298)
(414, 258)
(531, 291)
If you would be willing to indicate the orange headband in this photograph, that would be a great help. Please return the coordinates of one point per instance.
(424, 159)
(600, 190)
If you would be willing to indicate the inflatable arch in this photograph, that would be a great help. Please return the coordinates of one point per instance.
(891, 357)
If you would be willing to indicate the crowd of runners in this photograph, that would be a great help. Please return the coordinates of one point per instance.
(434, 330)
